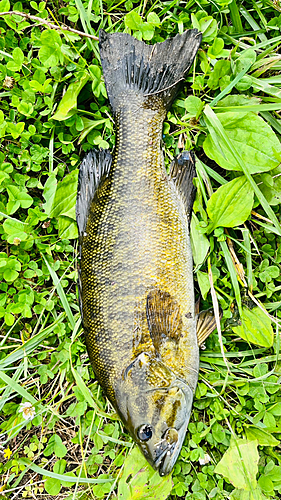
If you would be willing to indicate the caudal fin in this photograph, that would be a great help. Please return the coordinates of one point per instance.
(129, 64)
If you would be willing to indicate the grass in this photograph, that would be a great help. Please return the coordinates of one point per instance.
(73, 445)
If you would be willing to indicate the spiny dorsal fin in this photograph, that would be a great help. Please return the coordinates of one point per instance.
(93, 169)
(163, 317)
(206, 324)
(182, 172)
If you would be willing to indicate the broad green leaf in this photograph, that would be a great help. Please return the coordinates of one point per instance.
(133, 20)
(49, 56)
(276, 410)
(255, 328)
(147, 31)
(52, 486)
(231, 204)
(67, 483)
(65, 197)
(219, 135)
(266, 485)
(4, 6)
(90, 125)
(239, 464)
(153, 18)
(216, 48)
(252, 137)
(15, 229)
(237, 100)
(49, 193)
(59, 466)
(69, 101)
(193, 105)
(263, 437)
(67, 228)
(204, 283)
(199, 242)
(15, 129)
(17, 62)
(206, 24)
(50, 51)
(15, 194)
(139, 481)
(255, 494)
(56, 446)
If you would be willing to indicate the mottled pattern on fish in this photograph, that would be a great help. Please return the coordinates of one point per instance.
(136, 280)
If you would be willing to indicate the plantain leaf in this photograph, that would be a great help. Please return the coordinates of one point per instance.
(225, 207)
(255, 328)
(239, 464)
(140, 481)
(65, 197)
(263, 437)
(252, 137)
(199, 242)
(68, 104)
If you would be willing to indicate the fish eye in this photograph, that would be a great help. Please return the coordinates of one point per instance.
(145, 432)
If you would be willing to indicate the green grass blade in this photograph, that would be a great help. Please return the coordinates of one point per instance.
(254, 25)
(60, 290)
(30, 345)
(85, 21)
(233, 275)
(276, 124)
(17, 388)
(9, 390)
(235, 16)
(62, 477)
(263, 86)
(212, 173)
(216, 129)
(247, 243)
(256, 108)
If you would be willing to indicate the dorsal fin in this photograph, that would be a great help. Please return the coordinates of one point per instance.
(163, 317)
(93, 170)
(182, 172)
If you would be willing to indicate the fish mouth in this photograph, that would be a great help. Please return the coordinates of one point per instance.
(167, 459)
(173, 439)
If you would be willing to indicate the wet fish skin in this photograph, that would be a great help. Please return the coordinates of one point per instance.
(136, 281)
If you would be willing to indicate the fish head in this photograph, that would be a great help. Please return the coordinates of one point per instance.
(155, 407)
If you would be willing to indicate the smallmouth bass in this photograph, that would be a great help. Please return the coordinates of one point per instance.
(136, 274)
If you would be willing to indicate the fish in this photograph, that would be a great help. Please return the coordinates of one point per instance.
(135, 279)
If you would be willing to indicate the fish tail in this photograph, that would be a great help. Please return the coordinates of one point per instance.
(130, 65)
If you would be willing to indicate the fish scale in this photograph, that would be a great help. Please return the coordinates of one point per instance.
(136, 273)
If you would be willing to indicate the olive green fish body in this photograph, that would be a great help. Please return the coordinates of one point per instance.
(136, 280)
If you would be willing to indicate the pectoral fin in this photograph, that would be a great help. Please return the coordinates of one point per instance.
(163, 317)
(206, 324)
